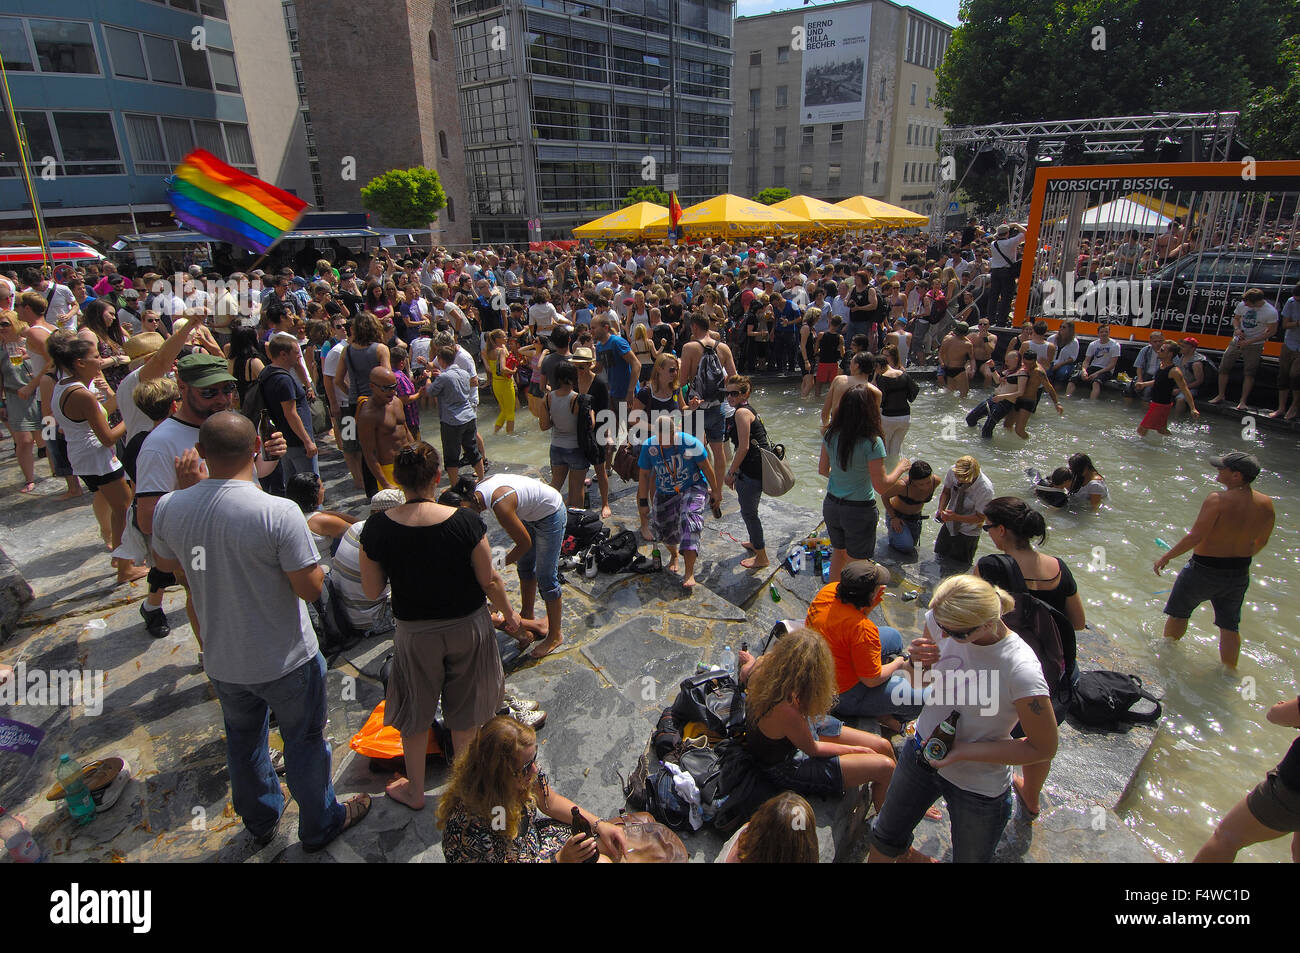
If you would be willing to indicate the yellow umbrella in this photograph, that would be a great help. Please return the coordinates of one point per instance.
(630, 222)
(1167, 209)
(731, 215)
(882, 213)
(823, 215)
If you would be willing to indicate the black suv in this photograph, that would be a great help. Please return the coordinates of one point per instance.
(1197, 294)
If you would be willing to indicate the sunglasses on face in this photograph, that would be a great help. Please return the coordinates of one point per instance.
(527, 769)
(960, 636)
(207, 393)
(387, 386)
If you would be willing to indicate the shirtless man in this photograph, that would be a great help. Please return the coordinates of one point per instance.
(1036, 380)
(1233, 526)
(381, 429)
(861, 370)
(982, 344)
(954, 354)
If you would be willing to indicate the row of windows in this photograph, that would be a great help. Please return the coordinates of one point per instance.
(207, 8)
(571, 121)
(68, 46)
(600, 186)
(833, 172)
(926, 43)
(568, 57)
(707, 23)
(921, 135)
(806, 135)
(912, 100)
(488, 113)
(496, 181)
(920, 171)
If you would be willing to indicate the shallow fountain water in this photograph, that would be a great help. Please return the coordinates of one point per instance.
(1215, 744)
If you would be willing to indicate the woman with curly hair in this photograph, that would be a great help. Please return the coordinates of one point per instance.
(782, 831)
(792, 738)
(498, 775)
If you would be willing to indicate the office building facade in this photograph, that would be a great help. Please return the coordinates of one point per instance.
(566, 105)
(114, 93)
(818, 117)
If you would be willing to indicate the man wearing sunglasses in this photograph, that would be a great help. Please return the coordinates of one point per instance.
(381, 431)
(206, 388)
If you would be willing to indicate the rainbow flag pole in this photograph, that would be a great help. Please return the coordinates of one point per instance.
(221, 202)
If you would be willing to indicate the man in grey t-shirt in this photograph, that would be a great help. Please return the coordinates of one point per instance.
(251, 562)
(457, 415)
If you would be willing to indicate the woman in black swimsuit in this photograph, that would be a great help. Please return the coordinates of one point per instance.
(808, 352)
(1012, 526)
(903, 510)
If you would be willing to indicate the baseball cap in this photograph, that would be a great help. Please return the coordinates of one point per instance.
(386, 500)
(142, 346)
(203, 370)
(1003, 231)
(1243, 463)
(131, 295)
(582, 355)
(859, 580)
(1192, 341)
(115, 279)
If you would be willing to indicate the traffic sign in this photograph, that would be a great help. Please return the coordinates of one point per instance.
(954, 207)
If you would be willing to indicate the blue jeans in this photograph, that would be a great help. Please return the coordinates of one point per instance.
(297, 461)
(750, 491)
(870, 702)
(904, 540)
(977, 821)
(542, 561)
(298, 700)
(1062, 374)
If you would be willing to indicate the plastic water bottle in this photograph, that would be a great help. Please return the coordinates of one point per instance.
(729, 660)
(80, 804)
(18, 840)
(1162, 544)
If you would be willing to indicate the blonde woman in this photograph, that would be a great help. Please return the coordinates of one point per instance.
(644, 349)
(499, 808)
(792, 739)
(966, 643)
(502, 376)
(23, 417)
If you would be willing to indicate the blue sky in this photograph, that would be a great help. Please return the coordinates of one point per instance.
(945, 10)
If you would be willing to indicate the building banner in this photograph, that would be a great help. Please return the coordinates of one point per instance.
(835, 65)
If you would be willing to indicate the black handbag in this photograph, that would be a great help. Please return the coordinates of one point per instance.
(714, 699)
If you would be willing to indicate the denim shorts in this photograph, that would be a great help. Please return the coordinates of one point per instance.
(1197, 584)
(715, 424)
(851, 525)
(812, 776)
(570, 457)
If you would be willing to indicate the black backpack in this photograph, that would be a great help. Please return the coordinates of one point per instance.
(583, 528)
(1104, 699)
(254, 401)
(710, 377)
(616, 553)
(587, 441)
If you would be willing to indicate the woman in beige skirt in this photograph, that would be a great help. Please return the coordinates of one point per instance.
(439, 566)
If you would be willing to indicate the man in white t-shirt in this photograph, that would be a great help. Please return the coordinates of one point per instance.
(1099, 362)
(1003, 270)
(61, 310)
(1253, 323)
(337, 398)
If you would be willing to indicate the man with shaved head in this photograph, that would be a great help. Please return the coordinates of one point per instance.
(381, 431)
(250, 561)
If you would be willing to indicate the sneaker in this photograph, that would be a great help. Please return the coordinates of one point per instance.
(155, 621)
(529, 719)
(277, 759)
(523, 704)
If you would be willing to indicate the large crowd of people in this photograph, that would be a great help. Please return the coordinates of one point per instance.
(128, 384)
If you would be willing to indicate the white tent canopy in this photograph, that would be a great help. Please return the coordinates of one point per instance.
(1121, 215)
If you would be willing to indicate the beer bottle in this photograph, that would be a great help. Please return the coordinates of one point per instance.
(580, 826)
(940, 742)
(265, 429)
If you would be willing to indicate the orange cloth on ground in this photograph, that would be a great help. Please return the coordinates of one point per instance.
(854, 639)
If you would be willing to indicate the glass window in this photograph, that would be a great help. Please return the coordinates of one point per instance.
(195, 66)
(782, 96)
(208, 136)
(807, 135)
(146, 145)
(451, 209)
(240, 147)
(756, 58)
(442, 144)
(778, 137)
(837, 132)
(433, 44)
(64, 46)
(882, 89)
(223, 70)
(783, 54)
(833, 176)
(13, 45)
(1276, 271)
(124, 50)
(778, 177)
(805, 176)
(755, 98)
(161, 53)
(213, 8)
(927, 97)
(875, 172)
(88, 138)
(909, 133)
(880, 130)
(913, 94)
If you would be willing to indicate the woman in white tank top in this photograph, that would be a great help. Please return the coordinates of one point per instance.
(78, 411)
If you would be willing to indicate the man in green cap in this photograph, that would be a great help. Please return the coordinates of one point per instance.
(206, 387)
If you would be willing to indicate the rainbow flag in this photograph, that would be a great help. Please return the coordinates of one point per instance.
(231, 206)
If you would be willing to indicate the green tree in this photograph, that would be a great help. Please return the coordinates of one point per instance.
(772, 196)
(1028, 60)
(405, 198)
(645, 193)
